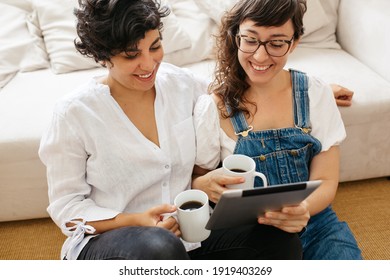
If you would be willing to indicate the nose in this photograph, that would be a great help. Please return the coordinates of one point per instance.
(261, 54)
(147, 62)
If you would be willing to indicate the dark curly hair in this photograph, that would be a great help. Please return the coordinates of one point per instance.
(108, 27)
(230, 78)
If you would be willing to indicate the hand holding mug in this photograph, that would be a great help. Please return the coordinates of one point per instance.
(243, 166)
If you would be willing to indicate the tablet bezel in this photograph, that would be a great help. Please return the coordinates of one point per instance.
(239, 207)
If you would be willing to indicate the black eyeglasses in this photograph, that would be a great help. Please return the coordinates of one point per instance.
(275, 48)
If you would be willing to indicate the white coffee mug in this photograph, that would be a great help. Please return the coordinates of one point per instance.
(243, 166)
(193, 213)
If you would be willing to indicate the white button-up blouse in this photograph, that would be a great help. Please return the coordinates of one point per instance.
(99, 164)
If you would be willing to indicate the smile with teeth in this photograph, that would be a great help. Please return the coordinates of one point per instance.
(145, 76)
(260, 68)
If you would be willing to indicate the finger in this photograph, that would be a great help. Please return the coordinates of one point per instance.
(229, 180)
(340, 90)
(298, 224)
(283, 224)
(345, 97)
(162, 209)
(177, 232)
(277, 218)
(345, 91)
(169, 224)
(300, 211)
(172, 226)
(293, 210)
(290, 229)
(215, 196)
(343, 103)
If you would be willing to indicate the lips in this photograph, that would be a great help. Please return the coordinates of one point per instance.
(260, 68)
(144, 77)
(147, 76)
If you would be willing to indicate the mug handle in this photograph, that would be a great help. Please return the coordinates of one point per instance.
(262, 176)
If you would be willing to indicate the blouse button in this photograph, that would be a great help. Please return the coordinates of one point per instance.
(166, 166)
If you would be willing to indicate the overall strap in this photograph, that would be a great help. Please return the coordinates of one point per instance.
(300, 86)
(239, 123)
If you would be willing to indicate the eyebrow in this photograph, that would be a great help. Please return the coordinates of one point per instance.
(272, 36)
(137, 50)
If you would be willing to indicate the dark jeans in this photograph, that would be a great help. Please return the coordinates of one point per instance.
(135, 243)
(247, 242)
(254, 242)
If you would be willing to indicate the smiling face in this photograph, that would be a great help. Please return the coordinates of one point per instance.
(136, 69)
(260, 67)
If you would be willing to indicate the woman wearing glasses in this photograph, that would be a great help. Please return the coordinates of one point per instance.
(293, 124)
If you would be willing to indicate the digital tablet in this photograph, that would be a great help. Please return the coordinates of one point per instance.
(240, 207)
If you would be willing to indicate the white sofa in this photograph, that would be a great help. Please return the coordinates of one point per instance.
(346, 42)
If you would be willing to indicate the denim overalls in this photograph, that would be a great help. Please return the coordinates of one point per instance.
(284, 156)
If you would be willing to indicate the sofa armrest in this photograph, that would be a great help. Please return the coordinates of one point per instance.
(363, 31)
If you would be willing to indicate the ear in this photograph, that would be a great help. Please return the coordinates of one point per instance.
(107, 64)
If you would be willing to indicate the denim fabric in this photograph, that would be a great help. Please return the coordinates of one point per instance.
(135, 243)
(249, 242)
(153, 243)
(327, 238)
(284, 156)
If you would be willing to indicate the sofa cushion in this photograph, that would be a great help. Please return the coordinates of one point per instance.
(21, 4)
(337, 66)
(324, 36)
(215, 8)
(314, 19)
(320, 19)
(57, 23)
(21, 48)
(363, 32)
(200, 28)
(174, 36)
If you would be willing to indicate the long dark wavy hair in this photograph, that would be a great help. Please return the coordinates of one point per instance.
(108, 27)
(230, 78)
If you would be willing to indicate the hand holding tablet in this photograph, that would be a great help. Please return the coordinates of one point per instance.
(244, 204)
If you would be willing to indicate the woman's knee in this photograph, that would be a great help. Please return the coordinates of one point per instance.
(135, 243)
(162, 244)
(278, 244)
